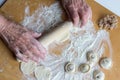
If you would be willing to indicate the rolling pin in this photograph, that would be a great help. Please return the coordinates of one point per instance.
(61, 33)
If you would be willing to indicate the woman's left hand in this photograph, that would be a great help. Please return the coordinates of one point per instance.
(76, 10)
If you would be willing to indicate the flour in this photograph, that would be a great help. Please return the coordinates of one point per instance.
(82, 40)
(43, 18)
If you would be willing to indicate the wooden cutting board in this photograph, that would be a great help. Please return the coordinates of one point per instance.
(15, 9)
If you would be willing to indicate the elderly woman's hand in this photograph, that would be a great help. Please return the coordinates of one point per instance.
(76, 10)
(21, 41)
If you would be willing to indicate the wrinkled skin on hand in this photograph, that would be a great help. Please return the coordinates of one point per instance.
(76, 10)
(22, 41)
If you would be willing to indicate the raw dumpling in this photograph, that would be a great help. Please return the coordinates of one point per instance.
(92, 57)
(84, 68)
(98, 75)
(106, 63)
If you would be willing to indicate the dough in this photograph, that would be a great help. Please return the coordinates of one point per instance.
(70, 67)
(42, 73)
(61, 33)
(92, 57)
(28, 68)
(57, 47)
(106, 63)
(98, 75)
(83, 68)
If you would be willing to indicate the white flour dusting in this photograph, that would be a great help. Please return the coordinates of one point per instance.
(82, 40)
(43, 18)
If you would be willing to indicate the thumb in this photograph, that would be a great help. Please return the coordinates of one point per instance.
(35, 34)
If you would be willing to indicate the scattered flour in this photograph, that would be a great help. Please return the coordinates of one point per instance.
(43, 18)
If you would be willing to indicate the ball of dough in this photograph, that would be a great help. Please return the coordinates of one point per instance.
(91, 56)
(106, 63)
(84, 68)
(69, 67)
(98, 75)
(108, 22)
(42, 73)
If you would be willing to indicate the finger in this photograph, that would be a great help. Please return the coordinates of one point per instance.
(25, 51)
(89, 10)
(21, 56)
(18, 54)
(90, 14)
(35, 52)
(84, 16)
(35, 34)
(84, 20)
(67, 12)
(39, 47)
(40, 52)
(22, 48)
(73, 15)
(31, 56)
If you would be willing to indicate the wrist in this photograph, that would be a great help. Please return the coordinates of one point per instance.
(3, 23)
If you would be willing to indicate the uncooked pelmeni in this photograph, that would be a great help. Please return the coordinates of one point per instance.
(70, 67)
(83, 68)
(92, 57)
(28, 68)
(42, 73)
(106, 63)
(98, 75)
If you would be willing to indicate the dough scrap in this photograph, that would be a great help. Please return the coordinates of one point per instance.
(28, 68)
(42, 73)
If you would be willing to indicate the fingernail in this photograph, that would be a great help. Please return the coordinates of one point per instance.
(42, 55)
